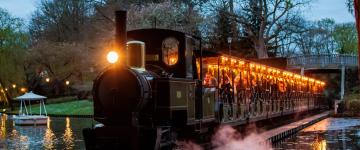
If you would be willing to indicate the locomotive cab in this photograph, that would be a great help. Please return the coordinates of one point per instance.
(171, 56)
(170, 53)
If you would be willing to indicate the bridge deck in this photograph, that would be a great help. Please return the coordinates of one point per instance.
(333, 61)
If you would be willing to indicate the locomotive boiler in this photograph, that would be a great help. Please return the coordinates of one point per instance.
(166, 88)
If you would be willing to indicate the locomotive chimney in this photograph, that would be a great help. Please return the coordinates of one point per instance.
(120, 33)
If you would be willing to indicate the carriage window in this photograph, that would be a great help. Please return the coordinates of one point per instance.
(170, 51)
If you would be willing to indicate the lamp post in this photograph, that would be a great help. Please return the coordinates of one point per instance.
(229, 40)
(67, 83)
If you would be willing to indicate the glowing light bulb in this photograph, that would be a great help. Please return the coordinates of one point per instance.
(112, 57)
(23, 90)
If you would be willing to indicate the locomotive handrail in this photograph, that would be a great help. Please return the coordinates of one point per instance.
(322, 61)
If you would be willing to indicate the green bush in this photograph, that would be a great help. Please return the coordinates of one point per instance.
(354, 107)
(355, 90)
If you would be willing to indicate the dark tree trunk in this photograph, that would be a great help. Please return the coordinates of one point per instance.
(357, 17)
(260, 47)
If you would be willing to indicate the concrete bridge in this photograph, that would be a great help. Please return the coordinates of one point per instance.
(324, 62)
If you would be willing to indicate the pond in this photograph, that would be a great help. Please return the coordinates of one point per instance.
(66, 133)
(59, 133)
(328, 134)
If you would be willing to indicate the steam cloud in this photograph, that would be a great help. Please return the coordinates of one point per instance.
(227, 138)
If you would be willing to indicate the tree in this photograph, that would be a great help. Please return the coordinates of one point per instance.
(13, 42)
(60, 21)
(346, 38)
(264, 20)
(317, 37)
(54, 60)
(61, 31)
(221, 29)
(168, 15)
(354, 8)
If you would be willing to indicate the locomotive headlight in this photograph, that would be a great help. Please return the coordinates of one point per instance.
(112, 57)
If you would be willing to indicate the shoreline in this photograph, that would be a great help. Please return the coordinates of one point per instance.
(55, 115)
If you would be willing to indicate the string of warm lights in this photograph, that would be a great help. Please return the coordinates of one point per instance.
(237, 65)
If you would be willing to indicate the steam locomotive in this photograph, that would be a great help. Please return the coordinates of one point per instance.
(167, 88)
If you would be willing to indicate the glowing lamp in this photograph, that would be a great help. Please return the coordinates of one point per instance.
(23, 90)
(13, 86)
(252, 66)
(47, 79)
(67, 82)
(263, 68)
(290, 74)
(172, 60)
(112, 57)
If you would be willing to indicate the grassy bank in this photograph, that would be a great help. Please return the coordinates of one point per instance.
(352, 106)
(79, 107)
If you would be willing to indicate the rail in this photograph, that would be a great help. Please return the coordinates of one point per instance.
(332, 61)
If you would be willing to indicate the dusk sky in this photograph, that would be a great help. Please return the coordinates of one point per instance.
(317, 10)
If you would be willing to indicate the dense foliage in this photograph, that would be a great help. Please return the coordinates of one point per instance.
(13, 43)
(70, 38)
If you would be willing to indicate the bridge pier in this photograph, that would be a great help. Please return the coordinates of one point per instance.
(342, 87)
(302, 71)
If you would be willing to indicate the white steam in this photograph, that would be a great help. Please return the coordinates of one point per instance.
(227, 138)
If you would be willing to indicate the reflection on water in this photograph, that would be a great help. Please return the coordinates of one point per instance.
(319, 143)
(59, 133)
(49, 137)
(329, 134)
(68, 135)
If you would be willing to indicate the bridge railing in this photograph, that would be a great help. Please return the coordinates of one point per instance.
(322, 60)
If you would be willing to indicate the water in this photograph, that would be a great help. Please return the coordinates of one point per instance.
(328, 134)
(59, 133)
(66, 133)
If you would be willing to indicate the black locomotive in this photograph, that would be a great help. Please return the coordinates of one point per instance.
(167, 88)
